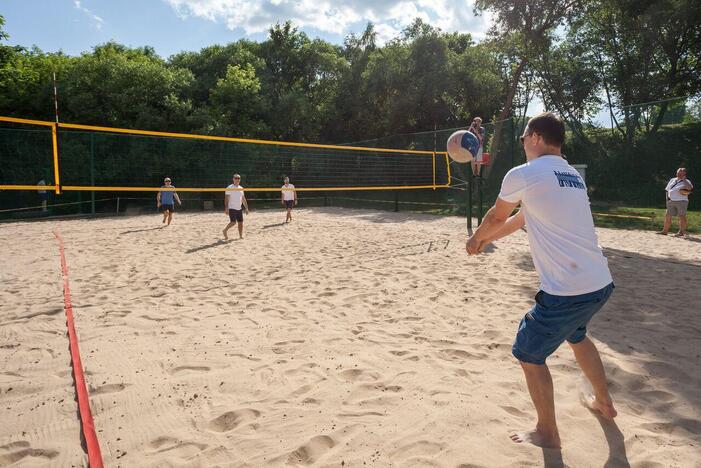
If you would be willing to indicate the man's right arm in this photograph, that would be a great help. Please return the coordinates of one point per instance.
(513, 224)
(226, 203)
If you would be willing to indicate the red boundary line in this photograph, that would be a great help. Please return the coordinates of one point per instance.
(87, 423)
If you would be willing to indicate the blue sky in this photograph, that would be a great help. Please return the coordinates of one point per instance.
(171, 26)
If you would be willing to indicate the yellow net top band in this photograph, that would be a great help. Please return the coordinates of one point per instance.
(215, 138)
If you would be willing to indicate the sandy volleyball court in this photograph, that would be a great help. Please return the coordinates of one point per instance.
(348, 338)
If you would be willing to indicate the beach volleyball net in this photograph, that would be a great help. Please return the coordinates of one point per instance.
(468, 193)
(83, 158)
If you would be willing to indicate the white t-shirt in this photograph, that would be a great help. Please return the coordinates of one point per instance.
(288, 192)
(675, 185)
(235, 196)
(561, 232)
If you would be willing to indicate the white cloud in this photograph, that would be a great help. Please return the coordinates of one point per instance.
(97, 21)
(337, 17)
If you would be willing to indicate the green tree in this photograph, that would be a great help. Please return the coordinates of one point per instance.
(3, 34)
(118, 86)
(524, 30)
(299, 80)
(646, 52)
(569, 83)
(236, 101)
(26, 81)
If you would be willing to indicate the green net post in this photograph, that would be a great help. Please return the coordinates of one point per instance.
(469, 202)
(480, 192)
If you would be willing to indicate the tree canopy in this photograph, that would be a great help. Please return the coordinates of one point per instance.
(578, 55)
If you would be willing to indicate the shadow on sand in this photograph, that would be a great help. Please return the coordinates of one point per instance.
(143, 230)
(218, 243)
(268, 226)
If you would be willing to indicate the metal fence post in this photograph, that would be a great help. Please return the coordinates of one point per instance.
(469, 201)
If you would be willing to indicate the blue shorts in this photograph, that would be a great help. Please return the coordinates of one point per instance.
(554, 319)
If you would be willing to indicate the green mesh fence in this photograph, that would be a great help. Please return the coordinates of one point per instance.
(469, 193)
(118, 160)
(26, 157)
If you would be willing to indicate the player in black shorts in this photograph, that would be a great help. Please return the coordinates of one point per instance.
(234, 205)
(288, 198)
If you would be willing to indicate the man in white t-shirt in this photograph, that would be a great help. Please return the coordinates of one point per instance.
(234, 204)
(575, 278)
(678, 189)
(289, 198)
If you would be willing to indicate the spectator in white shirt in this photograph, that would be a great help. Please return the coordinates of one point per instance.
(678, 189)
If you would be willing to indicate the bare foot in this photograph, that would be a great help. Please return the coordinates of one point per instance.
(606, 409)
(537, 438)
(679, 234)
(662, 233)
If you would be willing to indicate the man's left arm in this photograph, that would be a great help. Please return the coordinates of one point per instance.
(492, 223)
(177, 198)
(245, 203)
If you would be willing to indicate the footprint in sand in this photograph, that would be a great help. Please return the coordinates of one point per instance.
(310, 452)
(179, 369)
(458, 355)
(183, 448)
(301, 391)
(22, 450)
(492, 334)
(281, 346)
(233, 419)
(360, 414)
(353, 375)
(515, 411)
(657, 396)
(154, 319)
(109, 388)
(417, 448)
(690, 425)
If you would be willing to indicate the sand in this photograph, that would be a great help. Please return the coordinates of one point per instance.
(348, 338)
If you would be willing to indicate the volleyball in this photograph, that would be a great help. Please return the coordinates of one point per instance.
(462, 146)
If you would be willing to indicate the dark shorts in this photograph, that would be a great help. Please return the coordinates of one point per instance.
(554, 319)
(289, 204)
(170, 208)
(235, 215)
